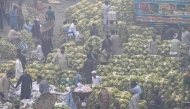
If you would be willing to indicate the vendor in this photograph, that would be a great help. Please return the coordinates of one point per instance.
(43, 85)
(70, 101)
(13, 35)
(136, 87)
(156, 100)
(96, 80)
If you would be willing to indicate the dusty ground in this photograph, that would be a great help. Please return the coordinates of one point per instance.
(59, 14)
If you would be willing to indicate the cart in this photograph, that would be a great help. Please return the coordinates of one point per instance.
(82, 102)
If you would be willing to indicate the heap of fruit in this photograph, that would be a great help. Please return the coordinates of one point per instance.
(86, 16)
(27, 38)
(7, 50)
(8, 66)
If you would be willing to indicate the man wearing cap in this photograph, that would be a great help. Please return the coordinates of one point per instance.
(175, 46)
(134, 102)
(96, 80)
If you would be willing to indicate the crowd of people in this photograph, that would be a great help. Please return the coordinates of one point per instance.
(87, 74)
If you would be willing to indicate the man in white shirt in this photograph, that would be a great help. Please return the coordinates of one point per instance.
(73, 29)
(96, 80)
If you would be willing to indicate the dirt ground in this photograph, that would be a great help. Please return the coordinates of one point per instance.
(59, 15)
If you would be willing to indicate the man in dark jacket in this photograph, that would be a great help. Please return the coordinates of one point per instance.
(36, 29)
(107, 42)
(94, 30)
(23, 60)
(88, 68)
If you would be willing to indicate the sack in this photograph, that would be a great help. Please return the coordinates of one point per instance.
(112, 15)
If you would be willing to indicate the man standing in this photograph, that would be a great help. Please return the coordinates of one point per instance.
(112, 26)
(13, 16)
(73, 29)
(20, 17)
(5, 83)
(26, 86)
(94, 30)
(115, 43)
(185, 37)
(106, 10)
(107, 42)
(50, 16)
(18, 67)
(62, 59)
(36, 30)
(88, 68)
(43, 85)
(134, 102)
(2, 12)
(96, 80)
(136, 87)
(175, 46)
(23, 61)
(153, 46)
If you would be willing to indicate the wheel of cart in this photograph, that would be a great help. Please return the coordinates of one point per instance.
(104, 99)
(46, 101)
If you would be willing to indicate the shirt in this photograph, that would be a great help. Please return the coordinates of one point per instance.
(138, 90)
(97, 80)
(44, 87)
(106, 43)
(50, 15)
(134, 102)
(27, 27)
(94, 32)
(157, 100)
(106, 9)
(23, 46)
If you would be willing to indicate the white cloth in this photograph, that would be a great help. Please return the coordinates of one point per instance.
(73, 29)
(97, 80)
(37, 53)
(18, 69)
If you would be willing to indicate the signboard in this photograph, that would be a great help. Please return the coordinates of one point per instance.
(163, 11)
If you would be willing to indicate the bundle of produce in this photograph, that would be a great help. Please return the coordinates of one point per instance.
(35, 65)
(50, 57)
(27, 38)
(68, 77)
(8, 66)
(33, 73)
(61, 107)
(143, 104)
(7, 49)
(140, 30)
(51, 76)
(61, 88)
(34, 14)
(103, 70)
(51, 66)
(87, 18)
